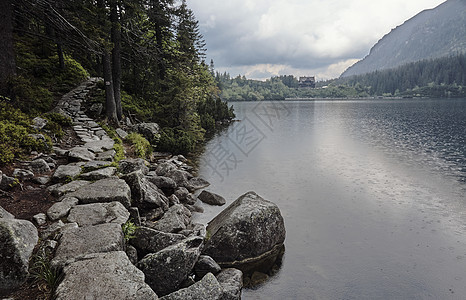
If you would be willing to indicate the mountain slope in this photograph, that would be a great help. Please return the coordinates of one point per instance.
(432, 33)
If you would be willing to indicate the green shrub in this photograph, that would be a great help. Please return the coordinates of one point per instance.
(129, 230)
(15, 141)
(141, 146)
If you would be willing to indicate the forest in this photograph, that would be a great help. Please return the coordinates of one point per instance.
(442, 77)
(149, 53)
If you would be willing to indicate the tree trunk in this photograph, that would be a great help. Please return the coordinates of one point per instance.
(116, 56)
(109, 94)
(7, 52)
(61, 56)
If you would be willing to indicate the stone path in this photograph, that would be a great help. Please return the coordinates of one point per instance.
(84, 227)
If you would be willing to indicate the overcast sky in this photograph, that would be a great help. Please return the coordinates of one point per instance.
(263, 38)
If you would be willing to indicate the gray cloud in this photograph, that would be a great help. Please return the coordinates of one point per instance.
(261, 38)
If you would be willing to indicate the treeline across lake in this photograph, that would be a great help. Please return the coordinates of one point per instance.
(442, 77)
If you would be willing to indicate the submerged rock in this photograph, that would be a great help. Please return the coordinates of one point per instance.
(211, 198)
(248, 231)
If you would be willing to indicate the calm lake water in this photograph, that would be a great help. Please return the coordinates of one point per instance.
(373, 194)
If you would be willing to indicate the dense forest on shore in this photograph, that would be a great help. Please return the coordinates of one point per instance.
(150, 54)
(442, 77)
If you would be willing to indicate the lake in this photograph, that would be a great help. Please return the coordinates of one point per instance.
(373, 194)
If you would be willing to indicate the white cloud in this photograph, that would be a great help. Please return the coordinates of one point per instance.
(275, 36)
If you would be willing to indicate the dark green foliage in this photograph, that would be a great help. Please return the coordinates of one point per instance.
(176, 141)
(447, 74)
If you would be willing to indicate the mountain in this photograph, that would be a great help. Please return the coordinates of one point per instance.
(432, 33)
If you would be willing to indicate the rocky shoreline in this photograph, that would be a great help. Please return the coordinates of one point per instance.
(124, 231)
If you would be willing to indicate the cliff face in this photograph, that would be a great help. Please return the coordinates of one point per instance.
(432, 33)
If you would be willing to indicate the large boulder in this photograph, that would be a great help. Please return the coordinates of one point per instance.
(207, 288)
(168, 268)
(180, 177)
(59, 189)
(174, 220)
(103, 276)
(211, 198)
(247, 232)
(17, 241)
(75, 243)
(105, 190)
(99, 213)
(148, 240)
(231, 281)
(146, 195)
(151, 131)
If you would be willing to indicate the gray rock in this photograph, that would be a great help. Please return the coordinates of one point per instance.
(65, 172)
(207, 288)
(132, 254)
(99, 146)
(105, 190)
(149, 240)
(7, 182)
(42, 180)
(145, 194)
(99, 213)
(211, 198)
(99, 174)
(250, 229)
(180, 177)
(75, 243)
(40, 219)
(104, 276)
(134, 215)
(166, 184)
(60, 152)
(121, 133)
(164, 168)
(59, 190)
(168, 268)
(80, 154)
(51, 230)
(182, 194)
(5, 214)
(231, 281)
(197, 183)
(38, 123)
(151, 131)
(194, 208)
(96, 109)
(204, 265)
(23, 174)
(173, 199)
(95, 164)
(39, 166)
(106, 156)
(127, 166)
(62, 208)
(174, 220)
(18, 239)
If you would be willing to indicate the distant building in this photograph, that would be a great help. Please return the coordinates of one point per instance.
(307, 82)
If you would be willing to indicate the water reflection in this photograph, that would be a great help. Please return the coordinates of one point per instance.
(372, 193)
